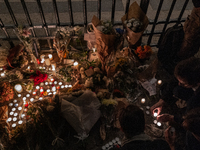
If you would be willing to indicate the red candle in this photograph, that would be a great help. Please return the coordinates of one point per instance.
(26, 105)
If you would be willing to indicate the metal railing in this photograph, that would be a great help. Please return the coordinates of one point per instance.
(144, 4)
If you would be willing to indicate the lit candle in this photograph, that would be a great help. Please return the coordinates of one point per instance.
(155, 114)
(76, 64)
(50, 93)
(11, 113)
(66, 86)
(19, 95)
(54, 88)
(70, 86)
(158, 124)
(1, 68)
(27, 95)
(15, 101)
(51, 79)
(48, 90)
(20, 122)
(15, 114)
(11, 104)
(19, 108)
(9, 119)
(40, 98)
(34, 93)
(60, 83)
(159, 82)
(50, 56)
(62, 86)
(32, 99)
(13, 109)
(37, 87)
(18, 88)
(13, 125)
(24, 98)
(155, 121)
(40, 67)
(41, 90)
(94, 49)
(55, 82)
(14, 119)
(16, 105)
(2, 74)
(43, 68)
(46, 83)
(54, 93)
(23, 115)
(143, 100)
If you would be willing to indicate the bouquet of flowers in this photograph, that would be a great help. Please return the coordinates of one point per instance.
(38, 77)
(143, 52)
(6, 92)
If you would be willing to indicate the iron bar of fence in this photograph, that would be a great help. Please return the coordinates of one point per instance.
(42, 17)
(28, 17)
(144, 5)
(127, 6)
(85, 12)
(167, 20)
(155, 21)
(99, 10)
(11, 13)
(4, 29)
(70, 13)
(113, 11)
(182, 11)
(56, 13)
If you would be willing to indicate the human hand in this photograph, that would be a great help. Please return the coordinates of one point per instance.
(196, 3)
(165, 118)
(170, 136)
(157, 107)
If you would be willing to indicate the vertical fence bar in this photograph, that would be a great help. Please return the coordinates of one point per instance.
(182, 11)
(56, 13)
(85, 12)
(99, 10)
(28, 17)
(42, 17)
(11, 13)
(113, 11)
(6, 33)
(155, 21)
(127, 6)
(70, 12)
(167, 20)
(144, 5)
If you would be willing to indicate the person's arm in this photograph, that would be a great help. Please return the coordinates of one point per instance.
(170, 137)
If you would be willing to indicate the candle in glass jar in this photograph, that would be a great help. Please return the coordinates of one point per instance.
(50, 56)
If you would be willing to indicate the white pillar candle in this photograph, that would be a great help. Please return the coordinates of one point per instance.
(18, 88)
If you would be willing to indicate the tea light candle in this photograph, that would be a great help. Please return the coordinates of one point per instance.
(54, 93)
(50, 56)
(34, 93)
(66, 86)
(53, 88)
(60, 83)
(40, 67)
(155, 114)
(1, 69)
(15, 114)
(51, 79)
(20, 122)
(43, 68)
(27, 95)
(3, 75)
(62, 86)
(13, 125)
(16, 105)
(46, 83)
(24, 98)
(15, 101)
(50, 93)
(155, 121)
(18, 88)
(159, 82)
(76, 63)
(20, 108)
(40, 98)
(70, 86)
(48, 90)
(14, 119)
(53, 66)
(41, 90)
(9, 119)
(13, 109)
(158, 124)
(143, 100)
(22, 115)
(32, 99)
(37, 87)
(11, 104)
(11, 113)
(19, 95)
